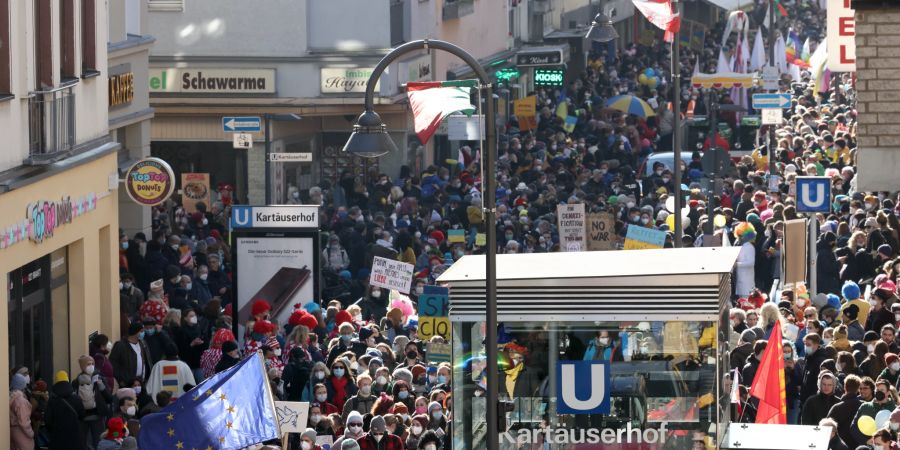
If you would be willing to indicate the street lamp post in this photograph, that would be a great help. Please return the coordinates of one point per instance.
(676, 131)
(370, 139)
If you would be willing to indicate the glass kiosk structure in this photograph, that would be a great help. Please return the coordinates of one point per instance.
(647, 318)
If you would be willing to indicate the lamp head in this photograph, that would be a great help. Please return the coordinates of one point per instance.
(370, 138)
(602, 29)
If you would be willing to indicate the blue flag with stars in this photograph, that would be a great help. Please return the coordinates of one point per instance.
(230, 410)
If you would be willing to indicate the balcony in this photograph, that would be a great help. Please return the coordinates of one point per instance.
(454, 9)
(51, 125)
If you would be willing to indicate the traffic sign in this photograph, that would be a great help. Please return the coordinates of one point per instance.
(813, 194)
(238, 124)
(243, 140)
(285, 216)
(770, 77)
(772, 116)
(761, 101)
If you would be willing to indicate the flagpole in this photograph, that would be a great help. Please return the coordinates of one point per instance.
(269, 395)
(771, 134)
(676, 128)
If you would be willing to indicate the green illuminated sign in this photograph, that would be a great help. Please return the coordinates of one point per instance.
(507, 73)
(548, 77)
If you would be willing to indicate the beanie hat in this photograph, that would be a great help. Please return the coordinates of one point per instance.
(870, 336)
(227, 310)
(229, 346)
(834, 301)
(349, 444)
(850, 291)
(126, 393)
(309, 434)
(417, 371)
(890, 358)
(377, 425)
(886, 250)
(345, 275)
(342, 317)
(309, 321)
(18, 382)
(364, 333)
(115, 428)
(354, 415)
(435, 405)
(851, 312)
(296, 316)
(259, 307)
(748, 335)
(61, 375)
(820, 300)
(263, 327)
(84, 361)
(895, 415)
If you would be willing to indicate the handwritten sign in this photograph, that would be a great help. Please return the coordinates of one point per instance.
(434, 301)
(292, 416)
(637, 238)
(601, 232)
(390, 274)
(437, 353)
(430, 326)
(571, 227)
(194, 189)
(526, 110)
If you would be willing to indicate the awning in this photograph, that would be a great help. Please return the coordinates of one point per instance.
(666, 284)
(491, 64)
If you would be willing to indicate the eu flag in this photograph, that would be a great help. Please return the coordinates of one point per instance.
(230, 410)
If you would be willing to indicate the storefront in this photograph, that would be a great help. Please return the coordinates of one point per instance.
(58, 250)
(597, 349)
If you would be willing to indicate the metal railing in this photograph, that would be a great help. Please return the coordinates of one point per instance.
(51, 124)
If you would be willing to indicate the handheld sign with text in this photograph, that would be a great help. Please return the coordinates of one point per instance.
(437, 352)
(430, 326)
(390, 274)
(601, 230)
(434, 301)
(638, 238)
(571, 227)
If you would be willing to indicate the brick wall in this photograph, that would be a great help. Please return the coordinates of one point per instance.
(878, 87)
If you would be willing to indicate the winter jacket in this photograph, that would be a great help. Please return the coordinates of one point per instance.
(388, 442)
(124, 361)
(63, 418)
(20, 431)
(816, 408)
(740, 354)
(811, 375)
(827, 269)
(872, 409)
(357, 403)
(843, 413)
(879, 318)
(296, 380)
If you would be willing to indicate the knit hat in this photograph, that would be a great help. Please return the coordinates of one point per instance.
(377, 425)
(309, 434)
(748, 336)
(342, 317)
(296, 316)
(129, 443)
(17, 383)
(126, 393)
(349, 444)
(263, 327)
(309, 321)
(435, 405)
(417, 371)
(84, 361)
(115, 429)
(834, 301)
(820, 300)
(890, 358)
(851, 311)
(354, 415)
(364, 333)
(895, 415)
(870, 336)
(395, 315)
(259, 307)
(229, 346)
(62, 375)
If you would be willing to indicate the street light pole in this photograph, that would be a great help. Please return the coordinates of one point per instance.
(771, 135)
(268, 176)
(369, 139)
(676, 130)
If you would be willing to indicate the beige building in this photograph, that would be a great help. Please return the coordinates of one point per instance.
(58, 179)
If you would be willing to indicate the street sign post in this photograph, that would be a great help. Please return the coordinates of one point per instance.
(241, 124)
(243, 140)
(770, 77)
(813, 194)
(772, 116)
(762, 101)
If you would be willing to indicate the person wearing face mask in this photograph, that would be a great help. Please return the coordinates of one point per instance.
(95, 398)
(891, 373)
(411, 356)
(374, 307)
(199, 287)
(319, 421)
(170, 370)
(363, 400)
(63, 415)
(130, 357)
(190, 345)
(340, 384)
(297, 374)
(430, 440)
(516, 379)
(305, 441)
(100, 348)
(605, 346)
(378, 438)
(353, 430)
(417, 429)
(817, 406)
(346, 343)
(130, 298)
(230, 356)
(879, 315)
(883, 401)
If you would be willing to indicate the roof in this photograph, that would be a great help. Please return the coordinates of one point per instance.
(672, 261)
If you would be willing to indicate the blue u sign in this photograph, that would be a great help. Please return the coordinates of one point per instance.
(242, 217)
(813, 194)
(582, 387)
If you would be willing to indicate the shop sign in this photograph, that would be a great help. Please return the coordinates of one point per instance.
(42, 218)
(121, 89)
(549, 77)
(841, 36)
(539, 58)
(342, 80)
(583, 387)
(212, 81)
(418, 69)
(150, 181)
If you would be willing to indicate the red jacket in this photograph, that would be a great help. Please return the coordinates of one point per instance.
(388, 442)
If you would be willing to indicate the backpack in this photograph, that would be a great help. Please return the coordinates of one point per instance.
(86, 394)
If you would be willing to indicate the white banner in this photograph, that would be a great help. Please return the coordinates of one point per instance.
(571, 221)
(390, 274)
(841, 40)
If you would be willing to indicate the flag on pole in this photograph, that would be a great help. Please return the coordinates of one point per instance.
(793, 47)
(431, 102)
(659, 13)
(758, 56)
(805, 54)
(230, 410)
(780, 55)
(768, 384)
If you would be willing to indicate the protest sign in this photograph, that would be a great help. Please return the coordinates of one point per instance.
(390, 274)
(601, 232)
(571, 227)
(638, 238)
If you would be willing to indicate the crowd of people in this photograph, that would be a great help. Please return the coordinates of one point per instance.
(360, 363)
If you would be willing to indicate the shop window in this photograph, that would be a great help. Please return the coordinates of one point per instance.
(43, 45)
(335, 162)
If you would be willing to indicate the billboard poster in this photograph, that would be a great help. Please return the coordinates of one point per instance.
(277, 269)
(194, 189)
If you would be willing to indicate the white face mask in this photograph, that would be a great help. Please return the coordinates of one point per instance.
(89, 369)
(204, 276)
(305, 445)
(376, 294)
(895, 366)
(192, 320)
(131, 410)
(416, 430)
(322, 397)
(603, 341)
(320, 375)
(315, 418)
(871, 348)
(137, 390)
(381, 380)
(277, 352)
(895, 426)
(109, 345)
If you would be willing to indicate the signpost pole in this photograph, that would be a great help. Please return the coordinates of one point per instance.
(268, 167)
(771, 134)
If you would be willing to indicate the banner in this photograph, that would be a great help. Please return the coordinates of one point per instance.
(194, 189)
(601, 232)
(570, 219)
(292, 416)
(437, 352)
(456, 236)
(639, 238)
(390, 274)
(525, 111)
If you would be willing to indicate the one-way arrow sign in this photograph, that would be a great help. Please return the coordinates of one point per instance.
(239, 124)
(762, 101)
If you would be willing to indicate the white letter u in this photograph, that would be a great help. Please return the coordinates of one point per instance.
(568, 388)
(820, 195)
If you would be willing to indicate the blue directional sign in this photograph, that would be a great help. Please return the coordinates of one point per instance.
(813, 194)
(241, 124)
(762, 101)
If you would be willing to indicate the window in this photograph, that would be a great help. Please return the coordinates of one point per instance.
(88, 37)
(43, 48)
(166, 5)
(5, 87)
(67, 39)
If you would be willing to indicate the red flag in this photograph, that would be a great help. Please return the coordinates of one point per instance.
(659, 13)
(432, 102)
(768, 384)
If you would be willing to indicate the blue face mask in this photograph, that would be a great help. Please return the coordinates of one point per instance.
(437, 415)
(442, 379)
(141, 335)
(150, 331)
(345, 338)
(338, 372)
(403, 395)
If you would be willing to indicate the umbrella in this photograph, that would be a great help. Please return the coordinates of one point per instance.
(631, 105)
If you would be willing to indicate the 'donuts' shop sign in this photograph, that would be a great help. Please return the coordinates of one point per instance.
(150, 181)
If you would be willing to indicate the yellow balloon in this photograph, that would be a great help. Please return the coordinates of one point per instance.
(642, 79)
(719, 221)
(652, 82)
(866, 425)
(670, 221)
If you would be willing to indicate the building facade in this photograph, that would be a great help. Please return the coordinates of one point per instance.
(58, 186)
